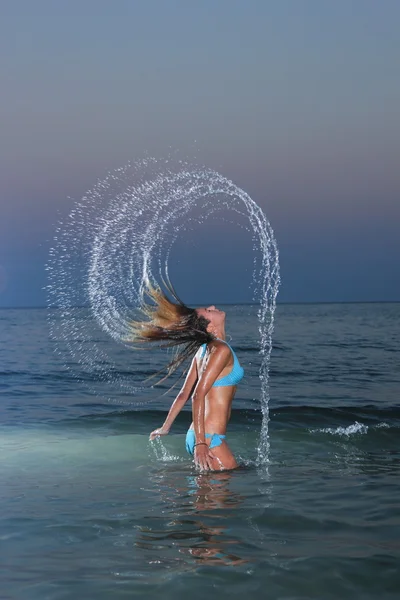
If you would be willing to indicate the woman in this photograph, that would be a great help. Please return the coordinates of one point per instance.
(212, 377)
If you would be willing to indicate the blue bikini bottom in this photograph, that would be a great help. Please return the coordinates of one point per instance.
(216, 440)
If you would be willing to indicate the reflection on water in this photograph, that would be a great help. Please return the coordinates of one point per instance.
(196, 516)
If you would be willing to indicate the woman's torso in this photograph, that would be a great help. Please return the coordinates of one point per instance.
(218, 401)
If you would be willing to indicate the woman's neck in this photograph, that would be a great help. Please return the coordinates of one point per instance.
(220, 333)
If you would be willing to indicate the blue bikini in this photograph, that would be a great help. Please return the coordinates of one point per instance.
(216, 440)
(231, 378)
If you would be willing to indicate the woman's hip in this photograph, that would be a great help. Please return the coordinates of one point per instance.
(214, 439)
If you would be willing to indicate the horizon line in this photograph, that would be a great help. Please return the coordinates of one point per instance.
(41, 307)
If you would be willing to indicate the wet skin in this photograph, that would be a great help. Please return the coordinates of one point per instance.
(211, 407)
(217, 412)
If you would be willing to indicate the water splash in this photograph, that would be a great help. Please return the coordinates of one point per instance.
(119, 235)
(161, 452)
(355, 429)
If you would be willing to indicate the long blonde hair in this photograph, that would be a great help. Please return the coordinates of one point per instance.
(170, 323)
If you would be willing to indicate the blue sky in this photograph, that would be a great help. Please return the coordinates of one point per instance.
(296, 101)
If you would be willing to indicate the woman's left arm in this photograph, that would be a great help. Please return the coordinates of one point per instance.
(179, 401)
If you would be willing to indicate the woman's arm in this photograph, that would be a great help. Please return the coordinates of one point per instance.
(218, 359)
(179, 402)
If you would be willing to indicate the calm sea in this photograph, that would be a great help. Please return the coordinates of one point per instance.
(90, 509)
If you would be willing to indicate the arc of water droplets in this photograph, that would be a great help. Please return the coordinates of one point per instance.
(107, 249)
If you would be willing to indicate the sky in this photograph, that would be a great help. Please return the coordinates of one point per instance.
(296, 101)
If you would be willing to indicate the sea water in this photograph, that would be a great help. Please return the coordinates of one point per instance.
(90, 509)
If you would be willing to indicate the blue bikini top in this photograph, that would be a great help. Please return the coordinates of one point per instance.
(234, 376)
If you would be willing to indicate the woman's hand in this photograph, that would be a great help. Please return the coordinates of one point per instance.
(203, 457)
(158, 432)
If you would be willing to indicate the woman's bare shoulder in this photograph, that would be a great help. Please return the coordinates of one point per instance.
(219, 348)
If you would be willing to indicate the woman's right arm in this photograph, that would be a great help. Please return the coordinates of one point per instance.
(219, 356)
(179, 402)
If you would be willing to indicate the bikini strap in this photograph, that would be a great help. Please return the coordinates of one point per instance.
(235, 358)
(204, 346)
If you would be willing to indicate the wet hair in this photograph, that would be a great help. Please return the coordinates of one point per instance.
(170, 323)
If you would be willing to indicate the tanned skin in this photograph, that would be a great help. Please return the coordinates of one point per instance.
(211, 407)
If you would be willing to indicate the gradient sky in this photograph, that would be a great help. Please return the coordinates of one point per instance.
(297, 101)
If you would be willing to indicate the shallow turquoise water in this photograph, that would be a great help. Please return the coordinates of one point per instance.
(91, 509)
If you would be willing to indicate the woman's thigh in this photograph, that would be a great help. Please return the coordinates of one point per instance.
(224, 458)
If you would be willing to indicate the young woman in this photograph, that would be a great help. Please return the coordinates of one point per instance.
(211, 379)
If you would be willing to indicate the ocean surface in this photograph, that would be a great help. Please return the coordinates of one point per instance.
(90, 509)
